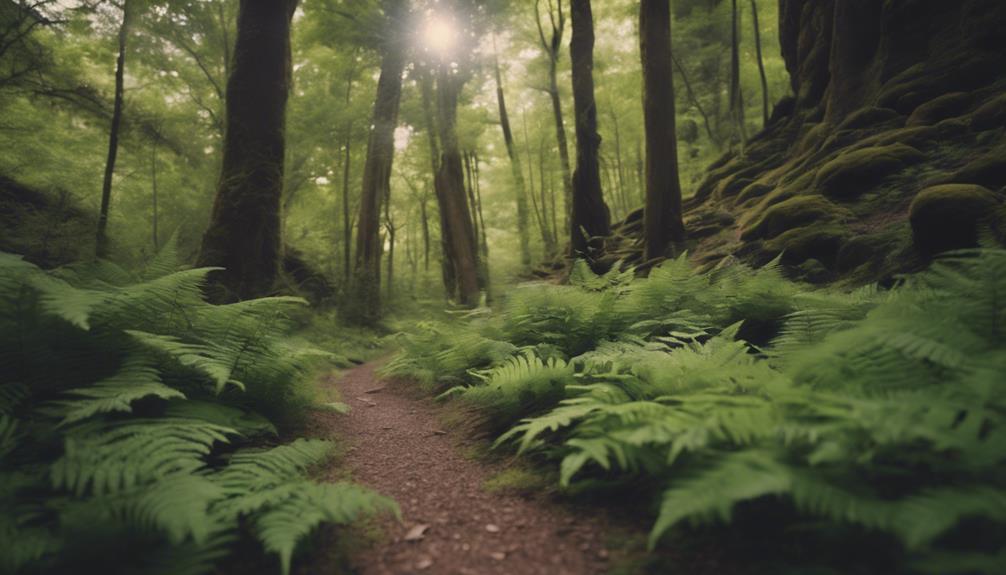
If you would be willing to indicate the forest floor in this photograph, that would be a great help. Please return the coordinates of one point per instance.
(396, 441)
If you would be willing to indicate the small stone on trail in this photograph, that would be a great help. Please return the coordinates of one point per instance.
(499, 556)
(492, 528)
(417, 532)
(424, 563)
(439, 432)
(602, 554)
(387, 428)
(375, 390)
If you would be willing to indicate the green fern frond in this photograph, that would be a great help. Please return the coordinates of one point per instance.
(289, 521)
(136, 379)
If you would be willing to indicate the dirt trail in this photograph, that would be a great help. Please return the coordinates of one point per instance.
(397, 446)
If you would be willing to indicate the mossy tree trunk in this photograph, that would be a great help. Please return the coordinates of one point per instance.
(364, 303)
(244, 232)
(736, 95)
(761, 63)
(590, 221)
(101, 237)
(662, 223)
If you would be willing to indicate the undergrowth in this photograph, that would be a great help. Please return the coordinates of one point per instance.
(872, 413)
(138, 424)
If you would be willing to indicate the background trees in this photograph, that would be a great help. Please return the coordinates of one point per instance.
(174, 88)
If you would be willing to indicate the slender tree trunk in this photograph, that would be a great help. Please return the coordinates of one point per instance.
(347, 167)
(365, 303)
(484, 244)
(450, 181)
(694, 99)
(761, 64)
(101, 237)
(515, 169)
(736, 96)
(554, 229)
(389, 227)
(619, 165)
(590, 218)
(244, 232)
(662, 222)
(426, 232)
(153, 189)
(553, 47)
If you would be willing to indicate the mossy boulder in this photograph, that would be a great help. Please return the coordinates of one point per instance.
(935, 111)
(990, 115)
(854, 173)
(793, 213)
(864, 249)
(819, 242)
(988, 170)
(949, 216)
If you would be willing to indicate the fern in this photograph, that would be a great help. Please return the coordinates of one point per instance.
(112, 437)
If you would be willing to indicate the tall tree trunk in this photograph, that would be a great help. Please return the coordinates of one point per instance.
(484, 244)
(426, 232)
(450, 182)
(101, 237)
(244, 232)
(553, 48)
(761, 63)
(553, 233)
(619, 165)
(590, 218)
(365, 302)
(736, 95)
(446, 243)
(662, 223)
(515, 169)
(153, 190)
(347, 166)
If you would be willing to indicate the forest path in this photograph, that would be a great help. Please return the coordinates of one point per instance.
(396, 445)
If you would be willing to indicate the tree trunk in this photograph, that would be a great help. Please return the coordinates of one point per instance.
(347, 227)
(553, 48)
(515, 169)
(101, 238)
(736, 96)
(590, 217)
(662, 222)
(450, 183)
(761, 64)
(426, 233)
(244, 232)
(446, 243)
(365, 302)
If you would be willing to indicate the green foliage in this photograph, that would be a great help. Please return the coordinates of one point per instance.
(877, 412)
(127, 411)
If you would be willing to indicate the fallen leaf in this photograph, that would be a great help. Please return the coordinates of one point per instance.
(492, 528)
(498, 556)
(424, 563)
(417, 532)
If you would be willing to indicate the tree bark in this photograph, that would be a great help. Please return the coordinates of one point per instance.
(450, 183)
(446, 243)
(761, 63)
(590, 217)
(101, 237)
(244, 232)
(553, 48)
(662, 222)
(515, 169)
(365, 301)
(347, 227)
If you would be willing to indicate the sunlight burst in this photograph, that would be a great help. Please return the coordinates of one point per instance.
(440, 35)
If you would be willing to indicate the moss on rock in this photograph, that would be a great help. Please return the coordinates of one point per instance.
(865, 249)
(990, 115)
(950, 105)
(949, 216)
(793, 213)
(854, 173)
(819, 242)
(988, 170)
